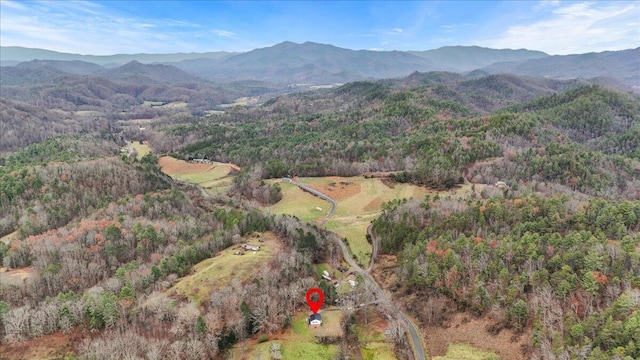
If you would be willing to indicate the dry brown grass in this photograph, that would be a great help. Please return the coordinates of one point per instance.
(465, 329)
(338, 190)
(205, 175)
(52, 346)
(14, 276)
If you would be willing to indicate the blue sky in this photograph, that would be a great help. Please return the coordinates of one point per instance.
(109, 27)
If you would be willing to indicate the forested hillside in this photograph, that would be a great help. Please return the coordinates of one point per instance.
(536, 225)
(100, 239)
(438, 134)
(569, 270)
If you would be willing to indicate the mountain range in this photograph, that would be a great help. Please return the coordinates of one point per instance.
(312, 63)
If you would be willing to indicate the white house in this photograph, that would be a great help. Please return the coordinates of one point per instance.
(315, 320)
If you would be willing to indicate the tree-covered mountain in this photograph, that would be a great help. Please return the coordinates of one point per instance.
(137, 73)
(564, 133)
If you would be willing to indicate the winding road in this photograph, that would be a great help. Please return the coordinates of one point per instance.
(412, 329)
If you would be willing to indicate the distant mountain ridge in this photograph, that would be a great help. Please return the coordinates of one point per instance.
(309, 62)
(18, 54)
(312, 63)
(622, 65)
(467, 58)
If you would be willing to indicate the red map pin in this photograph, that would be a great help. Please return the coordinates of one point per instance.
(315, 306)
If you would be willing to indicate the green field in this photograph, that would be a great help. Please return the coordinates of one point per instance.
(206, 179)
(377, 350)
(218, 271)
(299, 342)
(163, 105)
(466, 352)
(141, 149)
(299, 203)
(372, 340)
(294, 350)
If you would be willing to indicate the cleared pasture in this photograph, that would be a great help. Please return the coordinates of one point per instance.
(299, 341)
(141, 149)
(218, 271)
(300, 204)
(214, 176)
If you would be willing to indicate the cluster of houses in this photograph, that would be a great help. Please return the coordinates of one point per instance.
(201, 161)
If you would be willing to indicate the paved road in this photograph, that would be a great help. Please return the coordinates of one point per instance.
(414, 333)
(318, 194)
(374, 246)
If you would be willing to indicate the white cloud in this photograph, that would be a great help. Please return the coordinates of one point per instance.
(13, 4)
(223, 33)
(394, 31)
(576, 28)
(89, 28)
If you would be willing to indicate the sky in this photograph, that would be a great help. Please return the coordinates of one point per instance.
(119, 27)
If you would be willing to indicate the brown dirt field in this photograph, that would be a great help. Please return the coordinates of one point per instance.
(374, 204)
(338, 190)
(53, 346)
(463, 328)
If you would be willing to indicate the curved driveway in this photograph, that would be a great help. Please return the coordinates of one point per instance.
(414, 333)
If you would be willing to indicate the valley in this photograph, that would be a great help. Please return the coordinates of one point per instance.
(176, 209)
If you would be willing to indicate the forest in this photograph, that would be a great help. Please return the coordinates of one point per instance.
(104, 236)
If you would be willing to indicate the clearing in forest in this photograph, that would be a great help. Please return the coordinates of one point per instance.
(359, 201)
(299, 341)
(466, 352)
(467, 338)
(14, 276)
(141, 149)
(211, 176)
(219, 270)
(374, 344)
